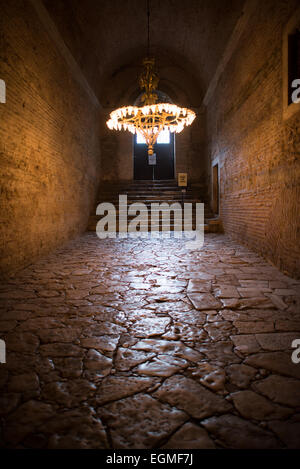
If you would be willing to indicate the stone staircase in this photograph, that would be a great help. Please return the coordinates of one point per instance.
(148, 192)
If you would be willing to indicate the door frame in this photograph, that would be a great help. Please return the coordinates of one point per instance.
(172, 135)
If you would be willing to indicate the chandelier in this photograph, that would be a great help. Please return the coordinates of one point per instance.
(153, 117)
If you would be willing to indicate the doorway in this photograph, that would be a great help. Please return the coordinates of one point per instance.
(215, 191)
(161, 167)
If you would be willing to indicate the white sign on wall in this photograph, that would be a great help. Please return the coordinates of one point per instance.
(182, 179)
(152, 159)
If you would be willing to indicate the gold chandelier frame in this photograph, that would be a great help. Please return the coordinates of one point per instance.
(150, 120)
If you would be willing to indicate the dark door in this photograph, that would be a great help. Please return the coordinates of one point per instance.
(164, 167)
(216, 189)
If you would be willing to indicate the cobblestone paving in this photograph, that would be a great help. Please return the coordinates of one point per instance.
(144, 344)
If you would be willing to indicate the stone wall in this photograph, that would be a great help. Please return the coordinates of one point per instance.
(49, 142)
(116, 152)
(190, 150)
(257, 150)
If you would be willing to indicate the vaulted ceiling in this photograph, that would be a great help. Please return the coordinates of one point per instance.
(108, 39)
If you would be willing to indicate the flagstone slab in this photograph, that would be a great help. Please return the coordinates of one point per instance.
(106, 343)
(227, 291)
(184, 393)
(246, 343)
(68, 393)
(148, 327)
(288, 432)
(61, 350)
(162, 365)
(75, 429)
(236, 432)
(253, 406)
(97, 362)
(196, 286)
(165, 347)
(126, 358)
(240, 375)
(219, 330)
(26, 419)
(140, 421)
(280, 389)
(278, 362)
(244, 327)
(277, 341)
(23, 342)
(62, 334)
(204, 301)
(219, 352)
(211, 376)
(192, 317)
(190, 436)
(113, 388)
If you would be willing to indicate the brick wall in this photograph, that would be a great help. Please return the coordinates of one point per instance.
(49, 144)
(190, 150)
(257, 151)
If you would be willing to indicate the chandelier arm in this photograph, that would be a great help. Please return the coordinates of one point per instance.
(150, 120)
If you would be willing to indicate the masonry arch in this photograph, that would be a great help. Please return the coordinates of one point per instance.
(179, 82)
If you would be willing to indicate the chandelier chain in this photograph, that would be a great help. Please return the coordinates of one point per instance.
(148, 17)
(152, 117)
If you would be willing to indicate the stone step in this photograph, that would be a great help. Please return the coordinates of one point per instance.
(157, 194)
(149, 188)
(210, 225)
(154, 192)
(149, 202)
(147, 182)
(158, 227)
(147, 213)
(148, 210)
(96, 218)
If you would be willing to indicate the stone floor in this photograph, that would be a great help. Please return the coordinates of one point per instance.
(145, 344)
